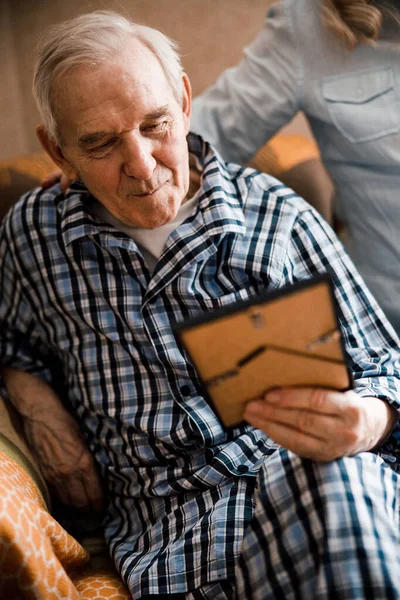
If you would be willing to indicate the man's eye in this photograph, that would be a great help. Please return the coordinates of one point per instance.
(103, 146)
(156, 126)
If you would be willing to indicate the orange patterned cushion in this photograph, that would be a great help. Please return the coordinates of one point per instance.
(34, 548)
(104, 584)
(38, 558)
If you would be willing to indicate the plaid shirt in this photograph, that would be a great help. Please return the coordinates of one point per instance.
(79, 306)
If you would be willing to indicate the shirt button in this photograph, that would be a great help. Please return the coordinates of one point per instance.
(242, 469)
(185, 390)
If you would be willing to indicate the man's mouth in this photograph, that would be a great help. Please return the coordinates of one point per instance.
(148, 192)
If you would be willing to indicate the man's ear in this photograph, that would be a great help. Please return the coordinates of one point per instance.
(186, 101)
(56, 153)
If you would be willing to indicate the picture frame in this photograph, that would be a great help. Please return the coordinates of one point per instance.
(286, 338)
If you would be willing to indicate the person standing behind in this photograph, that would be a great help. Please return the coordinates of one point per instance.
(338, 62)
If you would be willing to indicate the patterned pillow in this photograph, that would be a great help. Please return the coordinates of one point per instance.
(38, 558)
(34, 548)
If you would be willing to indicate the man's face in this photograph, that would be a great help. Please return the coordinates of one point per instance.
(124, 135)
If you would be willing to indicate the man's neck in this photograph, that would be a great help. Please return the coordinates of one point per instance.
(194, 178)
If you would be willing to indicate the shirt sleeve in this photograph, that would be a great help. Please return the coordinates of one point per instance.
(20, 346)
(370, 341)
(250, 102)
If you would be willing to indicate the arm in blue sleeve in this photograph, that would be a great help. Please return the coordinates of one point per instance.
(19, 331)
(250, 102)
(371, 343)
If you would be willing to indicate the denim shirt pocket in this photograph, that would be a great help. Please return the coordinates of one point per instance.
(363, 106)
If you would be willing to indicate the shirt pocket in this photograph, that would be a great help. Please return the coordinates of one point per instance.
(363, 106)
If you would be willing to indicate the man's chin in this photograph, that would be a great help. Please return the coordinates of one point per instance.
(160, 221)
(151, 219)
(152, 212)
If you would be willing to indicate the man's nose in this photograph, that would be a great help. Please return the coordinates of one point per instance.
(138, 158)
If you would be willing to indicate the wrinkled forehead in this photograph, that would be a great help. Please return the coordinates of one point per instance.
(134, 81)
(135, 63)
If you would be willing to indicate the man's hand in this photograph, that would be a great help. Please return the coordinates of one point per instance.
(52, 179)
(55, 440)
(64, 460)
(321, 424)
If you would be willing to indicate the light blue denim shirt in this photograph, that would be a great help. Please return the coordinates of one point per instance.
(352, 102)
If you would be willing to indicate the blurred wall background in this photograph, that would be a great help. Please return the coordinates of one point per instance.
(211, 34)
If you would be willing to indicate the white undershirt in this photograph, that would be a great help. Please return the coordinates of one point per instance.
(151, 242)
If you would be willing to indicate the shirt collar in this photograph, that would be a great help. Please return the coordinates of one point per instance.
(76, 220)
(220, 201)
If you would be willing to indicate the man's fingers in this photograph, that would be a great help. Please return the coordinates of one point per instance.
(319, 426)
(300, 443)
(83, 492)
(97, 500)
(316, 424)
(64, 182)
(55, 176)
(68, 467)
(50, 179)
(315, 399)
(84, 484)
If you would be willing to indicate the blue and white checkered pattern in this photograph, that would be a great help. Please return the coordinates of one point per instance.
(323, 531)
(80, 308)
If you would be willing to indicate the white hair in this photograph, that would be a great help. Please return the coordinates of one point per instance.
(93, 39)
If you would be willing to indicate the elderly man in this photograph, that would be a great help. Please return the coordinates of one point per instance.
(158, 228)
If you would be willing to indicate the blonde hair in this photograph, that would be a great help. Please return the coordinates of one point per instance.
(356, 21)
